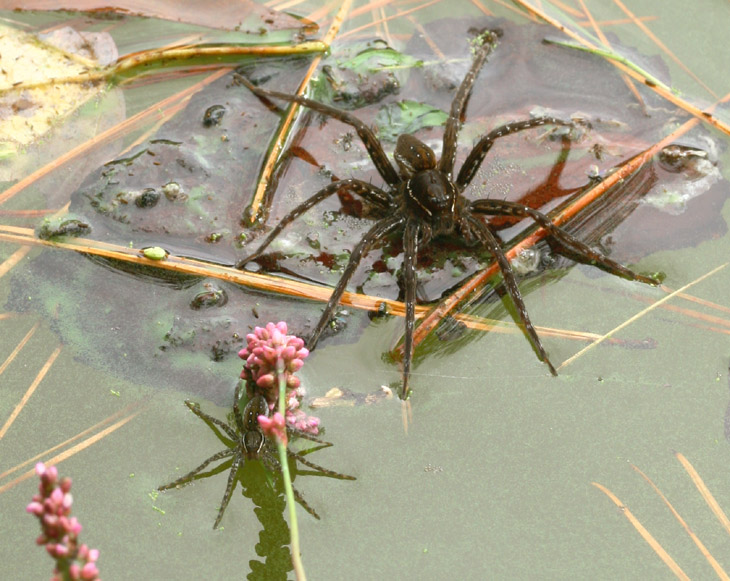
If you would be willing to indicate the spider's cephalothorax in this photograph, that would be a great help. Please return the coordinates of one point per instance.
(249, 443)
(423, 200)
(425, 191)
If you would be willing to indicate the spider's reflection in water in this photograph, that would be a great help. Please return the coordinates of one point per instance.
(247, 442)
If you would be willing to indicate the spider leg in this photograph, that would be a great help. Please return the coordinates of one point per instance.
(410, 256)
(382, 164)
(448, 154)
(305, 505)
(273, 466)
(195, 408)
(237, 408)
(310, 437)
(368, 191)
(229, 489)
(319, 468)
(380, 229)
(480, 230)
(570, 242)
(190, 475)
(477, 154)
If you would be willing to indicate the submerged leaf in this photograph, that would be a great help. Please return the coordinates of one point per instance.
(407, 117)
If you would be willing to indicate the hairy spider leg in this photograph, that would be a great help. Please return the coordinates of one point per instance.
(237, 460)
(380, 229)
(583, 252)
(188, 478)
(476, 156)
(274, 465)
(448, 153)
(367, 191)
(482, 232)
(237, 409)
(195, 408)
(300, 499)
(382, 164)
(300, 434)
(317, 467)
(410, 257)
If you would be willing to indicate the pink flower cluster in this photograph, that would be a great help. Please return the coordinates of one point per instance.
(295, 417)
(270, 351)
(52, 506)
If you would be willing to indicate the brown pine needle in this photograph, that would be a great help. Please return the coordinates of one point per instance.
(127, 409)
(18, 347)
(27, 213)
(618, 21)
(71, 451)
(700, 545)
(286, 125)
(190, 266)
(29, 392)
(641, 314)
(645, 29)
(369, 7)
(704, 491)
(399, 14)
(602, 37)
(705, 116)
(12, 260)
(703, 302)
(279, 285)
(693, 314)
(647, 536)
(482, 8)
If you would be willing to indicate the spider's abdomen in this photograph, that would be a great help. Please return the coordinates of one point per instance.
(432, 196)
(412, 155)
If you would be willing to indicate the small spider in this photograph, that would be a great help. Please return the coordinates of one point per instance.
(423, 200)
(249, 443)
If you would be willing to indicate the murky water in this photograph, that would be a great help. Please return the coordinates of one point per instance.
(494, 477)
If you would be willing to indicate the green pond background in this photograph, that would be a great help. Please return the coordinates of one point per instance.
(494, 476)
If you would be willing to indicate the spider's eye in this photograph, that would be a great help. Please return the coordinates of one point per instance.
(412, 155)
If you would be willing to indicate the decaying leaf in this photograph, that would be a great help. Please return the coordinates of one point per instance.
(34, 106)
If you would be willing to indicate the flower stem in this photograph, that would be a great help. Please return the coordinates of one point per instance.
(289, 490)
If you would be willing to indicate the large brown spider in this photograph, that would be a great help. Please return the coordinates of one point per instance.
(249, 443)
(424, 201)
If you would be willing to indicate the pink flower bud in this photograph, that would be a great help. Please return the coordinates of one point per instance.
(89, 571)
(75, 526)
(293, 382)
(288, 353)
(274, 427)
(265, 380)
(57, 496)
(35, 508)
